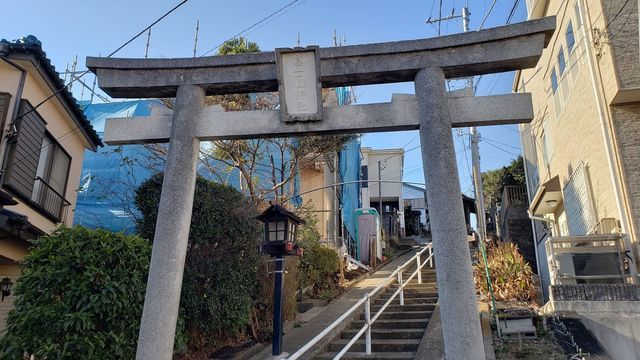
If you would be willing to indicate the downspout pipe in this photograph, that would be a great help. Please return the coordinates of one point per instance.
(10, 137)
(539, 218)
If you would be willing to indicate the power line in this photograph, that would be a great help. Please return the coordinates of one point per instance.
(499, 148)
(513, 11)
(254, 25)
(617, 14)
(501, 143)
(487, 14)
(77, 78)
(108, 56)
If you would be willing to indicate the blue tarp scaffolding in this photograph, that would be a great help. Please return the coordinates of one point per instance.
(111, 175)
(349, 171)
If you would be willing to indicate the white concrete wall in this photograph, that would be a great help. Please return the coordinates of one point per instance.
(616, 324)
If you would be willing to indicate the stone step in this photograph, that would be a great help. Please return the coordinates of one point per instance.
(386, 333)
(411, 285)
(377, 345)
(421, 300)
(410, 294)
(393, 324)
(412, 288)
(405, 355)
(403, 315)
(405, 307)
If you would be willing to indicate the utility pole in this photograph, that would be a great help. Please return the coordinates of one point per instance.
(475, 138)
(380, 191)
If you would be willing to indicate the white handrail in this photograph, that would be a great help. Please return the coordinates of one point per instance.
(366, 300)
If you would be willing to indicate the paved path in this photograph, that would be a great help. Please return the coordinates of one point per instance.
(298, 337)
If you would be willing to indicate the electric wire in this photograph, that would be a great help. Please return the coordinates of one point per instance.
(254, 25)
(60, 138)
(55, 93)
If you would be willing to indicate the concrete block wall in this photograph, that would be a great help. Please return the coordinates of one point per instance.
(622, 38)
(626, 119)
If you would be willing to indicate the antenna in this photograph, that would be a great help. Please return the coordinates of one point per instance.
(73, 71)
(195, 42)
(298, 41)
(146, 50)
(335, 40)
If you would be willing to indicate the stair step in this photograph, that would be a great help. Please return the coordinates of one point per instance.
(374, 355)
(422, 300)
(405, 307)
(403, 315)
(393, 324)
(410, 294)
(386, 333)
(377, 345)
(411, 285)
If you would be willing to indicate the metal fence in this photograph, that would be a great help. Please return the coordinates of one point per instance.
(590, 259)
(398, 276)
(49, 200)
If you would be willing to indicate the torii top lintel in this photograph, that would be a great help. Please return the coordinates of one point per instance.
(505, 48)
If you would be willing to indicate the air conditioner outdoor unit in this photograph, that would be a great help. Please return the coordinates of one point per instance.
(606, 226)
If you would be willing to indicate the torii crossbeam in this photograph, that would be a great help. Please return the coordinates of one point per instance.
(427, 62)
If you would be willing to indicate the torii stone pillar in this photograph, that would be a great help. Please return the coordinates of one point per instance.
(427, 62)
(158, 324)
(458, 303)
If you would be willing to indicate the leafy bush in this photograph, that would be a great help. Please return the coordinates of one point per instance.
(81, 292)
(509, 272)
(219, 284)
(319, 265)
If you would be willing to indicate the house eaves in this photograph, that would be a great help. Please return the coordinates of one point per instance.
(30, 49)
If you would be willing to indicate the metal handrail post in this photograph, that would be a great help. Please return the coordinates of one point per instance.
(401, 286)
(419, 269)
(367, 319)
(431, 255)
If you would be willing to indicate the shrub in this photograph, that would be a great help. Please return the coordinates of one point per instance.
(219, 284)
(319, 265)
(509, 272)
(81, 292)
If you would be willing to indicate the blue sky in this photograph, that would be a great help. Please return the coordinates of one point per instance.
(89, 28)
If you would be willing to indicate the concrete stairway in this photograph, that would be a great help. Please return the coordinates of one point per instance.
(397, 333)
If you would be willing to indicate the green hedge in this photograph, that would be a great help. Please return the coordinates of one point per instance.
(80, 296)
(219, 285)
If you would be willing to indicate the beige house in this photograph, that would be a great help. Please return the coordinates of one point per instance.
(42, 148)
(316, 178)
(582, 151)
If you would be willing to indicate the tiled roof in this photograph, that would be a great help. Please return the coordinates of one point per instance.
(30, 45)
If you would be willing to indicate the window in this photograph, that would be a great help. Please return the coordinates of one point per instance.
(276, 231)
(571, 41)
(51, 175)
(554, 81)
(578, 19)
(578, 203)
(561, 62)
(364, 175)
(37, 167)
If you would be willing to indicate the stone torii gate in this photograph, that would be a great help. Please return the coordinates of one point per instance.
(427, 62)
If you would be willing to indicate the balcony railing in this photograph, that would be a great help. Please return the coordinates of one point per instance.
(49, 200)
(512, 196)
(590, 259)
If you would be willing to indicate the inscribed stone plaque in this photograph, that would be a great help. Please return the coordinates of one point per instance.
(299, 83)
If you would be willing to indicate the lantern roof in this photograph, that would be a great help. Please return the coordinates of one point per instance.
(276, 210)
